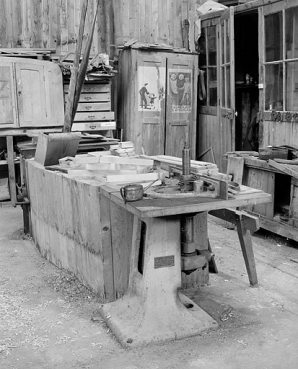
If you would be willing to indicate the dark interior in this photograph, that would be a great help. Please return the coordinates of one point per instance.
(246, 79)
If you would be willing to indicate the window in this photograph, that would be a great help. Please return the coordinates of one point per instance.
(207, 63)
(281, 60)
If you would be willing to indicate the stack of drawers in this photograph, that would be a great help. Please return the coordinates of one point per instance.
(94, 108)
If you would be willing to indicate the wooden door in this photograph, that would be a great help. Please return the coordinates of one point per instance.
(8, 116)
(31, 94)
(150, 92)
(181, 104)
(227, 81)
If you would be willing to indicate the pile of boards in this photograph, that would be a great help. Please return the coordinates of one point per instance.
(104, 166)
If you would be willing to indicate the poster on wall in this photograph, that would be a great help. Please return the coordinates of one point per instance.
(180, 82)
(151, 87)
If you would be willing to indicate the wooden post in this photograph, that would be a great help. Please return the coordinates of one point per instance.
(83, 67)
(68, 118)
(11, 169)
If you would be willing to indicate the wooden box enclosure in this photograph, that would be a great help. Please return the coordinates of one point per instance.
(280, 216)
(79, 229)
(71, 226)
(157, 97)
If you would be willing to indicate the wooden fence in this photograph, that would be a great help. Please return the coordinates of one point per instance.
(55, 23)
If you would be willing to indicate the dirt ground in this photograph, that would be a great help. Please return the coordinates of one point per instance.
(49, 320)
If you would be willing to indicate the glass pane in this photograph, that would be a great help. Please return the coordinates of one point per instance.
(222, 31)
(292, 86)
(292, 33)
(228, 87)
(212, 45)
(202, 49)
(228, 41)
(202, 99)
(274, 87)
(223, 84)
(212, 74)
(273, 37)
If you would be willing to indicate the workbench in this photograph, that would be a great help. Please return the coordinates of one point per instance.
(129, 252)
(153, 309)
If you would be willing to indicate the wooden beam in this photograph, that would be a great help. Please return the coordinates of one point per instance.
(69, 115)
(251, 222)
(11, 169)
(284, 168)
(83, 66)
(244, 223)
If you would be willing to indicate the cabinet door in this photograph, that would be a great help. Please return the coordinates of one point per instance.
(150, 92)
(181, 104)
(54, 95)
(8, 116)
(31, 94)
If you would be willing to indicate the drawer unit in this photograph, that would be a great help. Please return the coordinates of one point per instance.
(94, 109)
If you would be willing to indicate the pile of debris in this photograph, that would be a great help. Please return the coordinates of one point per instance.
(98, 67)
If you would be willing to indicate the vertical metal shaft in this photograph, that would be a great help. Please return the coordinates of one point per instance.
(186, 160)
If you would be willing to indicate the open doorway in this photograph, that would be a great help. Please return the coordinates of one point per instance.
(246, 81)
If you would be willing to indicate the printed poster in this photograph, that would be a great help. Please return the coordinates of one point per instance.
(151, 87)
(179, 95)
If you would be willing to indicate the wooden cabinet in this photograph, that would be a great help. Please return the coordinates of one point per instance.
(157, 98)
(31, 93)
(94, 112)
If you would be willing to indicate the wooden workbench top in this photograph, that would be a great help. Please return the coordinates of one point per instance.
(148, 207)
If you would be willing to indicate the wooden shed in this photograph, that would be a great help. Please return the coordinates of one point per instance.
(249, 54)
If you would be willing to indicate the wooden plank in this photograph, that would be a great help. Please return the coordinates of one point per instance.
(132, 161)
(265, 181)
(36, 21)
(11, 169)
(247, 251)
(122, 230)
(107, 248)
(236, 168)
(164, 207)
(133, 178)
(46, 20)
(287, 169)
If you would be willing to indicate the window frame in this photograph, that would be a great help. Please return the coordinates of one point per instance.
(276, 8)
(210, 109)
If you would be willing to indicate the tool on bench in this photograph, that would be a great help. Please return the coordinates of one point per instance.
(134, 191)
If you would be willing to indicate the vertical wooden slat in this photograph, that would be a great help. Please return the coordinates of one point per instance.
(3, 24)
(154, 27)
(163, 30)
(64, 26)
(71, 25)
(148, 21)
(9, 24)
(36, 23)
(99, 34)
(46, 20)
(17, 22)
(142, 20)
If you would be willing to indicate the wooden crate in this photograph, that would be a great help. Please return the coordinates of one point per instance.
(54, 146)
